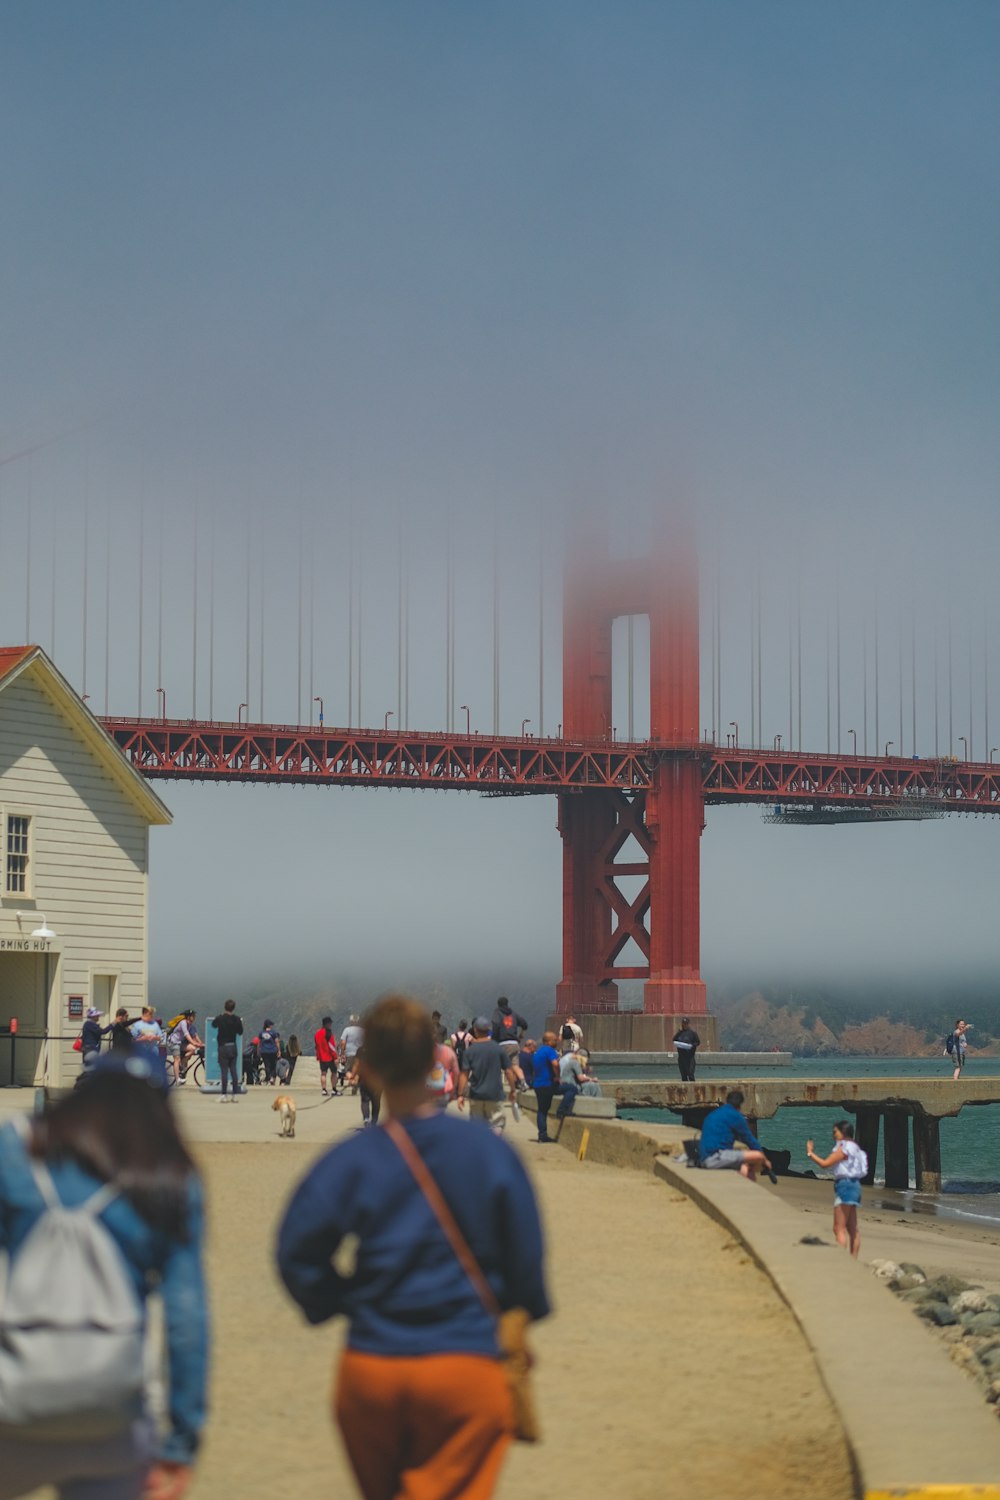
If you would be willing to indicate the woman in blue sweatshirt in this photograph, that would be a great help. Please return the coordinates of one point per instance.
(421, 1391)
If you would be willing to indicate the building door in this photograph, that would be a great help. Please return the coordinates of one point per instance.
(104, 994)
(24, 993)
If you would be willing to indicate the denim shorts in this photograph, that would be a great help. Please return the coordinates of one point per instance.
(847, 1190)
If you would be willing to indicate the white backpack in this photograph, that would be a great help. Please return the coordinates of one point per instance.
(856, 1160)
(71, 1325)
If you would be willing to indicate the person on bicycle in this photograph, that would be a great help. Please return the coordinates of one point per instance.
(187, 1045)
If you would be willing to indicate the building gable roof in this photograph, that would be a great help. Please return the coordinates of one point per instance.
(32, 662)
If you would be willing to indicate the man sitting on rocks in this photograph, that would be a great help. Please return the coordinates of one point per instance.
(719, 1134)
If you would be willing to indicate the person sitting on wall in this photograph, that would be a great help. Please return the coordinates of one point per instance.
(719, 1134)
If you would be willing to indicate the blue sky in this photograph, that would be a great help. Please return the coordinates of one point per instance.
(268, 266)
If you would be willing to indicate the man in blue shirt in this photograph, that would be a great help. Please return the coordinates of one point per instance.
(719, 1134)
(547, 1084)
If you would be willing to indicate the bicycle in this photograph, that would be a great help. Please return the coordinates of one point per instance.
(193, 1069)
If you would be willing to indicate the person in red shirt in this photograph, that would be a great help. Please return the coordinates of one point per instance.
(326, 1055)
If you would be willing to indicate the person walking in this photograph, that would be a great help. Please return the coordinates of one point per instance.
(113, 1138)
(507, 1025)
(370, 1097)
(270, 1038)
(228, 1027)
(421, 1398)
(686, 1044)
(484, 1070)
(351, 1038)
(325, 1043)
(956, 1047)
(850, 1168)
(293, 1052)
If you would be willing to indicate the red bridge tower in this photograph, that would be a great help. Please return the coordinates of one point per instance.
(665, 822)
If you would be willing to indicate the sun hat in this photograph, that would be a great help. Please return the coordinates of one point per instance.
(93, 1014)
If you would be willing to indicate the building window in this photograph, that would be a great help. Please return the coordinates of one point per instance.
(16, 878)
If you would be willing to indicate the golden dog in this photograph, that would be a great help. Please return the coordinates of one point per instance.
(285, 1105)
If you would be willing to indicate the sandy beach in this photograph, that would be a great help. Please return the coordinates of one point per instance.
(670, 1360)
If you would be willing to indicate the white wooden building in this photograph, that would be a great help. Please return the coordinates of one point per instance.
(74, 863)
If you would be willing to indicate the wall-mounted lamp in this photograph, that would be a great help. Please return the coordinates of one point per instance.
(45, 931)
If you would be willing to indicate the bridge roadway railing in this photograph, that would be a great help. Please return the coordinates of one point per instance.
(197, 750)
(887, 1103)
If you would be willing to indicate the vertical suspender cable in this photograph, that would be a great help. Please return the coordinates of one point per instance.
(937, 746)
(350, 619)
(246, 643)
(301, 606)
(900, 685)
(951, 685)
(361, 618)
(718, 645)
(760, 658)
(52, 600)
(399, 620)
(211, 617)
(541, 633)
(86, 569)
(107, 607)
(159, 605)
(971, 754)
(263, 554)
(27, 571)
(142, 576)
(496, 630)
(913, 680)
(838, 663)
(986, 688)
(753, 666)
(194, 624)
(791, 679)
(631, 677)
(878, 744)
(864, 674)
(312, 615)
(406, 638)
(828, 714)
(714, 649)
(798, 622)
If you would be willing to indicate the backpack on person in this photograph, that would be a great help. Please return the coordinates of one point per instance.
(567, 1033)
(71, 1325)
(855, 1160)
(949, 1045)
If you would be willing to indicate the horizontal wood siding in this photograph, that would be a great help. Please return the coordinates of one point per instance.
(89, 859)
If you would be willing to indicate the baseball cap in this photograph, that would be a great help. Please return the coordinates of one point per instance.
(481, 1024)
(146, 1067)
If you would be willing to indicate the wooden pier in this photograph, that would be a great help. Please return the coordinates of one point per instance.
(881, 1106)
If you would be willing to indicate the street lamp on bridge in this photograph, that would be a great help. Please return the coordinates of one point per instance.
(888, 746)
(320, 702)
(993, 752)
(524, 728)
(239, 712)
(389, 714)
(777, 742)
(965, 743)
(854, 736)
(464, 708)
(163, 701)
(736, 733)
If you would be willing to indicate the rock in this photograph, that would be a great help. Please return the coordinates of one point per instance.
(910, 1269)
(886, 1270)
(994, 1301)
(948, 1286)
(919, 1294)
(937, 1312)
(971, 1302)
(990, 1359)
(906, 1283)
(984, 1322)
(993, 1391)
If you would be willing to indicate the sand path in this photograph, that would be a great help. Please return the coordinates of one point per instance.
(670, 1366)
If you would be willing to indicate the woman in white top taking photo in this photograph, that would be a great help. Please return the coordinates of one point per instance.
(850, 1165)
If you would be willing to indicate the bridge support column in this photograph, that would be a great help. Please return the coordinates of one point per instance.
(587, 824)
(927, 1152)
(897, 1149)
(675, 817)
(867, 1137)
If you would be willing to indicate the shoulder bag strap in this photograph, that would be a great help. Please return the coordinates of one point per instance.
(443, 1214)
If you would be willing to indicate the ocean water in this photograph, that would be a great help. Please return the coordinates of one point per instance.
(970, 1142)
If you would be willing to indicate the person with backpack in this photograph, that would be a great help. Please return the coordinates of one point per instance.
(460, 1039)
(447, 1234)
(99, 1202)
(508, 1026)
(850, 1167)
(570, 1036)
(956, 1044)
(269, 1039)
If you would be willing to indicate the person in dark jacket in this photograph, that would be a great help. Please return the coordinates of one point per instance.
(120, 1032)
(422, 1399)
(91, 1035)
(508, 1026)
(686, 1044)
(228, 1027)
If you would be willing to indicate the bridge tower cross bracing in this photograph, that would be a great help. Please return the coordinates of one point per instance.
(665, 823)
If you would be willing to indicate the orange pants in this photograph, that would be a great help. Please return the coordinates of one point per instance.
(434, 1428)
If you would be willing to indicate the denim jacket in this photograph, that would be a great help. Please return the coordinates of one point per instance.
(156, 1262)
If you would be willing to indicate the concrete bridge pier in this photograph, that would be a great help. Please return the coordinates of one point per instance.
(896, 1132)
(896, 1135)
(867, 1137)
(927, 1152)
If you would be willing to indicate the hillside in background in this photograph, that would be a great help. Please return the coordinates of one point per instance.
(842, 1023)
